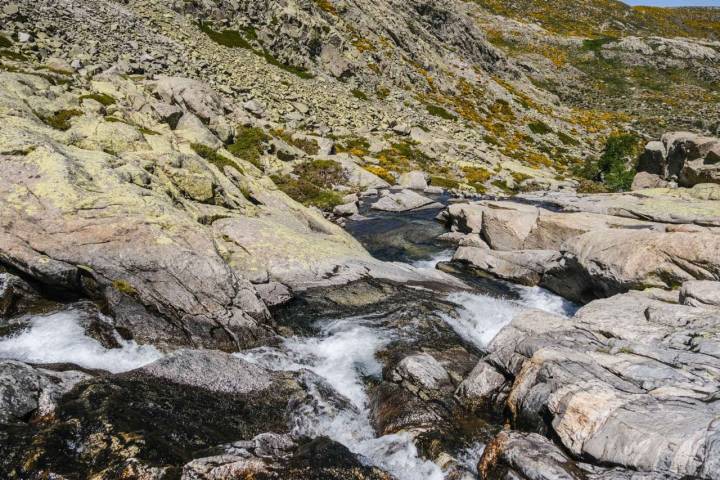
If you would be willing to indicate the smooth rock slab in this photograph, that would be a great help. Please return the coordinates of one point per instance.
(403, 201)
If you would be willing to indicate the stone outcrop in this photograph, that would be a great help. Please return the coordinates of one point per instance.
(591, 250)
(682, 157)
(602, 380)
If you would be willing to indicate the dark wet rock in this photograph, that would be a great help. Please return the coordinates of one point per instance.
(393, 409)
(139, 420)
(18, 297)
(274, 456)
(26, 390)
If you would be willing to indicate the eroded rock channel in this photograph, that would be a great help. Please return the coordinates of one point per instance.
(452, 377)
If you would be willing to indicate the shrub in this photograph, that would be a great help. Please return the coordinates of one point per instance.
(212, 156)
(357, 146)
(595, 44)
(313, 183)
(567, 139)
(5, 42)
(476, 174)
(440, 112)
(539, 128)
(61, 120)
(226, 38)
(360, 95)
(248, 144)
(381, 172)
(123, 286)
(9, 54)
(102, 98)
(307, 145)
(446, 183)
(323, 173)
(616, 166)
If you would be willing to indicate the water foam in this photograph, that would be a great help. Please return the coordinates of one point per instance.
(59, 338)
(481, 317)
(342, 355)
(431, 264)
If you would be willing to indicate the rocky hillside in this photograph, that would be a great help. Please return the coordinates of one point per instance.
(220, 222)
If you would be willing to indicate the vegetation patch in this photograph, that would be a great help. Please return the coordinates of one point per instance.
(212, 156)
(235, 39)
(10, 55)
(615, 169)
(123, 286)
(357, 146)
(381, 172)
(539, 128)
(443, 182)
(595, 44)
(307, 145)
(61, 120)
(567, 139)
(440, 112)
(102, 98)
(312, 183)
(226, 38)
(5, 42)
(360, 95)
(249, 144)
(403, 157)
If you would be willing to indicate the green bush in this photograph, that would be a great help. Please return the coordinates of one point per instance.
(61, 120)
(440, 112)
(595, 44)
(297, 71)
(360, 95)
(226, 38)
(446, 183)
(616, 166)
(212, 156)
(102, 98)
(539, 128)
(567, 139)
(9, 54)
(312, 183)
(248, 144)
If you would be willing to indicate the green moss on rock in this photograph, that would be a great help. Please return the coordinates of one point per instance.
(61, 120)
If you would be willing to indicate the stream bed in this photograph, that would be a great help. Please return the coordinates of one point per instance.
(353, 354)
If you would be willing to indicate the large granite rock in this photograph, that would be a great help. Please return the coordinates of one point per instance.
(171, 241)
(685, 157)
(402, 201)
(156, 419)
(582, 255)
(601, 381)
(26, 391)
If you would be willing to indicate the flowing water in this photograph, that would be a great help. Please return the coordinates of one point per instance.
(341, 353)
